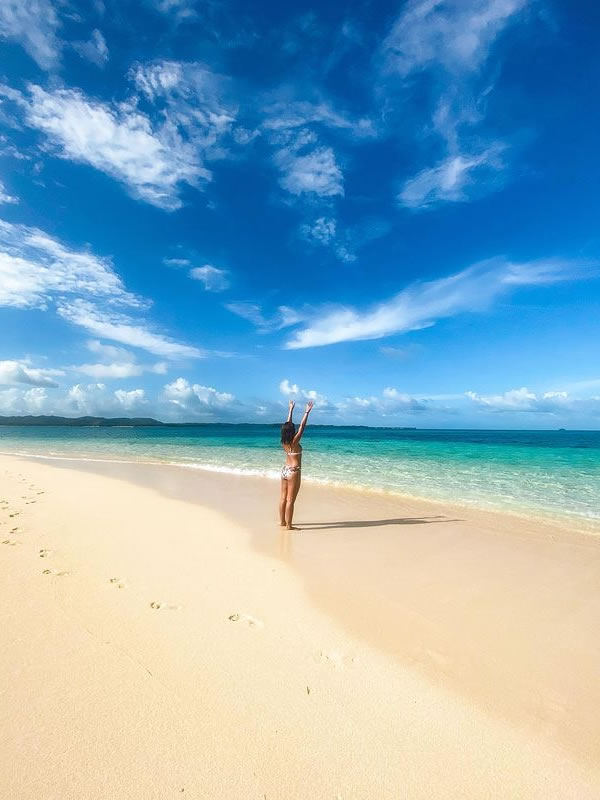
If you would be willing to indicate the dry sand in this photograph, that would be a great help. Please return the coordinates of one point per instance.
(162, 638)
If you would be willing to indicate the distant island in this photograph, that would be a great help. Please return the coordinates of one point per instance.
(146, 422)
(82, 422)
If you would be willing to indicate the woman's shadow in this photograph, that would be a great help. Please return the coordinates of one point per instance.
(374, 523)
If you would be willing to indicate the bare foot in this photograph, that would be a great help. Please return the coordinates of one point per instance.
(292, 528)
(282, 525)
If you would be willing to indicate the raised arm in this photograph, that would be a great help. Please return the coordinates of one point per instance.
(291, 410)
(303, 422)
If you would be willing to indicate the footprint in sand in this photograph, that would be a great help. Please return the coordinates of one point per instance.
(44, 553)
(118, 583)
(162, 606)
(334, 658)
(55, 572)
(14, 514)
(10, 542)
(251, 622)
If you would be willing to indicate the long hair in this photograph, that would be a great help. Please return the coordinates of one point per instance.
(288, 431)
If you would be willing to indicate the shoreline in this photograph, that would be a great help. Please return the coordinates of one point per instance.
(574, 522)
(462, 651)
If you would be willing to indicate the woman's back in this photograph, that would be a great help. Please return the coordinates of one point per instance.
(293, 454)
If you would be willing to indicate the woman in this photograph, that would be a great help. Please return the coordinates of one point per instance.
(290, 474)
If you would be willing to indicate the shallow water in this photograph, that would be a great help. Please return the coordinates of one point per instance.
(548, 473)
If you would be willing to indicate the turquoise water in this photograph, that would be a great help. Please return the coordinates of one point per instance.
(554, 473)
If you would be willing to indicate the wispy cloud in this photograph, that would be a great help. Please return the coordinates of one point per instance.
(284, 318)
(213, 278)
(452, 179)
(33, 24)
(456, 34)
(307, 169)
(35, 268)
(37, 271)
(192, 100)
(523, 400)
(151, 160)
(178, 9)
(117, 327)
(286, 115)
(389, 403)
(94, 50)
(115, 362)
(423, 304)
(124, 369)
(449, 44)
(5, 197)
(344, 242)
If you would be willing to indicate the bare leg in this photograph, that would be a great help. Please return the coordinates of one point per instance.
(293, 488)
(282, 502)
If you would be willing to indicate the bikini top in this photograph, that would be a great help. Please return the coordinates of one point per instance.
(294, 453)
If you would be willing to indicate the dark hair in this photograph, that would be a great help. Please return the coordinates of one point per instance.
(288, 431)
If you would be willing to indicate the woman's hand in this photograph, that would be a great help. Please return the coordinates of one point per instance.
(309, 406)
(291, 405)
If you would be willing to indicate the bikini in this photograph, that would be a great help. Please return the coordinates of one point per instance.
(288, 470)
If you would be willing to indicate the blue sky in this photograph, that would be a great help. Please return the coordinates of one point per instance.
(389, 207)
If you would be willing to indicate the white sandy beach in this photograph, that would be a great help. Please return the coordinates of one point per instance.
(162, 638)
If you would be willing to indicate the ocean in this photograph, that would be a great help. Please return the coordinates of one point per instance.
(542, 473)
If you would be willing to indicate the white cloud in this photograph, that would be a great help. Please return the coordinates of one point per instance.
(523, 400)
(322, 230)
(132, 399)
(450, 41)
(34, 24)
(299, 113)
(196, 398)
(5, 197)
(456, 34)
(117, 327)
(152, 161)
(191, 99)
(422, 304)
(116, 362)
(94, 50)
(286, 388)
(80, 399)
(94, 399)
(252, 312)
(20, 372)
(119, 370)
(178, 9)
(244, 136)
(344, 243)
(313, 172)
(115, 370)
(34, 268)
(109, 352)
(176, 262)
(35, 400)
(390, 402)
(451, 180)
(214, 279)
(294, 391)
